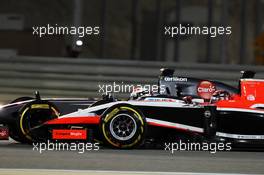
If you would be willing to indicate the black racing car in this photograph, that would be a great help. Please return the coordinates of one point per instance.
(26, 114)
(219, 117)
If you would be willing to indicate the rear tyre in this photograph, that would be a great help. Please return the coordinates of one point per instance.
(123, 126)
(13, 130)
(13, 134)
(32, 115)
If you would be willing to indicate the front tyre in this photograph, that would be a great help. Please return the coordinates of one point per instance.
(123, 126)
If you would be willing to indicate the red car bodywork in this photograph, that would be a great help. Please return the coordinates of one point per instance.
(251, 96)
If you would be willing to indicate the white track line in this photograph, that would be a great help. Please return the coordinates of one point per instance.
(6, 171)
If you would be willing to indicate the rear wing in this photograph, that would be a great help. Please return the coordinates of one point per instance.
(247, 74)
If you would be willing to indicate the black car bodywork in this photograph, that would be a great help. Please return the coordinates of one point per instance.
(41, 110)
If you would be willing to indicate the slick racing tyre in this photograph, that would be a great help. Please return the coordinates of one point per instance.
(13, 131)
(32, 115)
(123, 126)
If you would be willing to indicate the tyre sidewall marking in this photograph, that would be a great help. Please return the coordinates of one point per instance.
(111, 115)
(21, 124)
(39, 106)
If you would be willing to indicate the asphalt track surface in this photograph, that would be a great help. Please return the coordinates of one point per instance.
(14, 157)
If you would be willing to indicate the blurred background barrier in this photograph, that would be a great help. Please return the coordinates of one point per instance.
(135, 30)
(64, 77)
